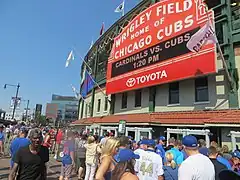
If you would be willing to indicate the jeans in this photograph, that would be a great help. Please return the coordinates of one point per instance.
(90, 171)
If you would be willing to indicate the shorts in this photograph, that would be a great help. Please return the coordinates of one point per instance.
(81, 162)
(66, 170)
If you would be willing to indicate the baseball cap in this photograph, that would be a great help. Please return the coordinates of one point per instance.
(162, 138)
(190, 141)
(126, 155)
(151, 142)
(236, 154)
(133, 141)
(23, 129)
(144, 141)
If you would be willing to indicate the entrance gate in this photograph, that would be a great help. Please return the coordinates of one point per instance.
(185, 132)
(136, 132)
(139, 133)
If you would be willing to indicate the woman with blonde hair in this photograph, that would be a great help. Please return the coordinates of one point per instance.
(92, 151)
(107, 161)
(171, 168)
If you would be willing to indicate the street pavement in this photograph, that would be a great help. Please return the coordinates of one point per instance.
(53, 168)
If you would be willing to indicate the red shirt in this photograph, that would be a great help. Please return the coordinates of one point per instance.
(59, 137)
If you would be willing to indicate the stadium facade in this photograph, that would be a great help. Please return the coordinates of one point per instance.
(205, 99)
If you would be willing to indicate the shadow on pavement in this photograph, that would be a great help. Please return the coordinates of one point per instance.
(4, 176)
(4, 169)
(53, 166)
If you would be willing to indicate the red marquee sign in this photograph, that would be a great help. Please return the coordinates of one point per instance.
(162, 44)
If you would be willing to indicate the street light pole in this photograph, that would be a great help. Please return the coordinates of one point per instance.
(27, 110)
(15, 101)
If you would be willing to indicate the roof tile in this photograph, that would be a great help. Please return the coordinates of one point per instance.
(182, 117)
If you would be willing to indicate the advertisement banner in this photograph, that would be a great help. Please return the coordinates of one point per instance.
(171, 40)
(18, 102)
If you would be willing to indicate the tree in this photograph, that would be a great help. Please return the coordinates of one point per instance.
(41, 120)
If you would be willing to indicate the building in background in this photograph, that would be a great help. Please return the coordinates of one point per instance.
(2, 114)
(18, 116)
(63, 108)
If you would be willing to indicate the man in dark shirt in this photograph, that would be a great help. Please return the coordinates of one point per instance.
(30, 161)
(217, 165)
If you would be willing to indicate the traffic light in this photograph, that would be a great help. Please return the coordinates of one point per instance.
(212, 3)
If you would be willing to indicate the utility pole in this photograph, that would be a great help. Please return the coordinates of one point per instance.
(27, 110)
(15, 101)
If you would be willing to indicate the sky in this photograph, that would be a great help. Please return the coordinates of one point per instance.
(36, 37)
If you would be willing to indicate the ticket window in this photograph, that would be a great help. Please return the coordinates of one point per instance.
(144, 135)
(132, 134)
(104, 132)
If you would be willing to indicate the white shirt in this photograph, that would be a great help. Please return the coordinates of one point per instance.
(139, 152)
(149, 166)
(196, 167)
(7, 130)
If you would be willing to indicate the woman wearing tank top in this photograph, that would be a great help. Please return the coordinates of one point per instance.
(107, 161)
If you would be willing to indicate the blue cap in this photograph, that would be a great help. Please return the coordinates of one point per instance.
(151, 142)
(190, 141)
(126, 155)
(144, 141)
(23, 129)
(162, 138)
(236, 154)
(133, 141)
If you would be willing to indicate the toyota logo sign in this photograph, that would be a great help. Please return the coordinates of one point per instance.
(131, 82)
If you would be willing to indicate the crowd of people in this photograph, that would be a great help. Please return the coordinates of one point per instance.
(115, 158)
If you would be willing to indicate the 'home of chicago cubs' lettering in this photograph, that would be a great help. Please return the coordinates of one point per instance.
(152, 48)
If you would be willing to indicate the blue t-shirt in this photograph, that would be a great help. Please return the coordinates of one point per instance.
(224, 162)
(1, 136)
(160, 151)
(177, 155)
(16, 145)
(67, 149)
(170, 173)
(203, 151)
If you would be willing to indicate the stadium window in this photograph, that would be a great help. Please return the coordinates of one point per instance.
(138, 98)
(124, 100)
(201, 89)
(99, 105)
(173, 93)
(106, 104)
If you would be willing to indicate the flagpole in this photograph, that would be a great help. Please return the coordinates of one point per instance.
(220, 51)
(123, 8)
(78, 94)
(82, 59)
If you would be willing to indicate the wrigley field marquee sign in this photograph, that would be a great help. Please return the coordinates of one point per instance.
(164, 43)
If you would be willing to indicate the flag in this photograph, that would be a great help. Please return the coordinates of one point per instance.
(120, 8)
(102, 29)
(91, 45)
(88, 84)
(205, 35)
(84, 73)
(77, 95)
(69, 59)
